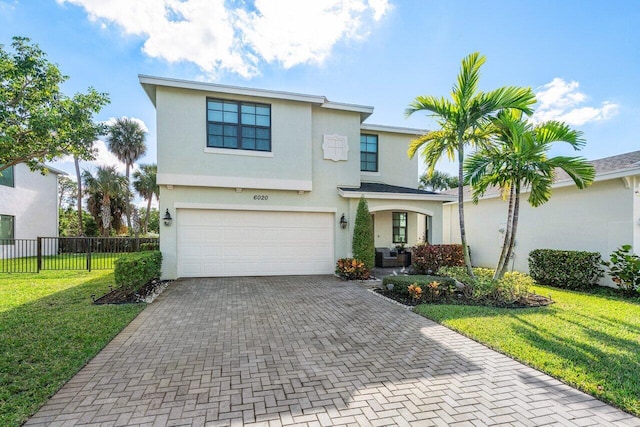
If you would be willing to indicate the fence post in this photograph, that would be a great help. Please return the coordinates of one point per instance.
(39, 250)
(89, 253)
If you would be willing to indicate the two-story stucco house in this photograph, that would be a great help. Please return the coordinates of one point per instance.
(262, 182)
(28, 205)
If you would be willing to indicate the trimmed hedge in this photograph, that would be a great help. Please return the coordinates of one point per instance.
(565, 269)
(427, 259)
(401, 283)
(134, 270)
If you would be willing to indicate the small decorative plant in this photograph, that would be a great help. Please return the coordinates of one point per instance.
(415, 291)
(624, 268)
(352, 269)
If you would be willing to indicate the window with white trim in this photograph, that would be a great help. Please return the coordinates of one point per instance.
(399, 224)
(238, 125)
(368, 153)
(7, 225)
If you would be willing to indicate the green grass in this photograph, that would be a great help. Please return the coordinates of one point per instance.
(70, 261)
(589, 341)
(49, 329)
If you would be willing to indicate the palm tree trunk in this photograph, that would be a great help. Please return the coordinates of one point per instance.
(128, 199)
(463, 233)
(79, 194)
(507, 236)
(148, 214)
(514, 228)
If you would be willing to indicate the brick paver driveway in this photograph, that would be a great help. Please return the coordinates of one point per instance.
(306, 351)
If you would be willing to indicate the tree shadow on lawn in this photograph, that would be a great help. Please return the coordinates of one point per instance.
(609, 372)
(45, 341)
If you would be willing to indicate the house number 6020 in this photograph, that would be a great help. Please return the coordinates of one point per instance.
(260, 197)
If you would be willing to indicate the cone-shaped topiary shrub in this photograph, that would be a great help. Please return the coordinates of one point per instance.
(363, 245)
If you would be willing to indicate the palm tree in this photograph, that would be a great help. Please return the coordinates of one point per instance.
(437, 181)
(126, 140)
(518, 161)
(144, 182)
(462, 122)
(107, 184)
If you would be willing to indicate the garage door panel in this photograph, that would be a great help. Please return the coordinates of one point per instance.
(238, 243)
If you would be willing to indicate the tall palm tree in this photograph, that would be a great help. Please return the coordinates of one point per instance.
(517, 161)
(462, 122)
(126, 140)
(144, 182)
(108, 184)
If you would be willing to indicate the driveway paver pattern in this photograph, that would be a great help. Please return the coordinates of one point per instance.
(311, 351)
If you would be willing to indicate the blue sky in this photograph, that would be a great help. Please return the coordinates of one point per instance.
(581, 57)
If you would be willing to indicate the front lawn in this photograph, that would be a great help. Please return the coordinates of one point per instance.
(589, 341)
(49, 329)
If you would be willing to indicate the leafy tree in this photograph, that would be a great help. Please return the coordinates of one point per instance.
(363, 244)
(107, 184)
(144, 182)
(518, 159)
(462, 122)
(67, 192)
(438, 181)
(68, 223)
(153, 226)
(126, 140)
(37, 122)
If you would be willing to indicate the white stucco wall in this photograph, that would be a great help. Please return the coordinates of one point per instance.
(33, 201)
(599, 218)
(394, 166)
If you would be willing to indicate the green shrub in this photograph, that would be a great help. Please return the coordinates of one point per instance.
(401, 284)
(624, 268)
(565, 269)
(427, 259)
(363, 244)
(483, 289)
(134, 270)
(352, 269)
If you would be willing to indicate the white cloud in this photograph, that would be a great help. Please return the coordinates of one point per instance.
(561, 100)
(111, 120)
(217, 37)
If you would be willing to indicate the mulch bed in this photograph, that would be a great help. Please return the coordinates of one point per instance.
(532, 300)
(127, 296)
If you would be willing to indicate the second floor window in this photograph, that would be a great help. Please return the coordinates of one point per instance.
(369, 153)
(6, 177)
(238, 125)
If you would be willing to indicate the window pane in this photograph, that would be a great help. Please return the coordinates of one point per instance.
(214, 105)
(262, 121)
(262, 133)
(214, 116)
(215, 141)
(263, 110)
(248, 143)
(248, 108)
(230, 131)
(248, 132)
(230, 142)
(248, 119)
(230, 107)
(263, 145)
(7, 177)
(230, 117)
(6, 227)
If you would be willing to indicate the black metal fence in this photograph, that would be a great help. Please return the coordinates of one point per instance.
(68, 253)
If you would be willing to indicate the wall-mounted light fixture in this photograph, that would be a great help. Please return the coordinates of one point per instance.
(167, 218)
(343, 222)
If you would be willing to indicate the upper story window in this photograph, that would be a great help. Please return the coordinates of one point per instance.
(6, 229)
(369, 153)
(6, 177)
(238, 125)
(399, 220)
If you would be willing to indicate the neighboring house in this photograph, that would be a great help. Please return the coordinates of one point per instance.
(28, 206)
(258, 181)
(600, 218)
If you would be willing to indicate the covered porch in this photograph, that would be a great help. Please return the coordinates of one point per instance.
(402, 217)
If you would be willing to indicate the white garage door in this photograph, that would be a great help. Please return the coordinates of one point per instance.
(253, 243)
